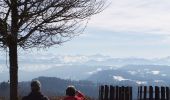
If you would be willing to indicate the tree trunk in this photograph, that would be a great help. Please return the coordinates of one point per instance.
(13, 58)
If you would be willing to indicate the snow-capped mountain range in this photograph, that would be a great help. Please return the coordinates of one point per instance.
(77, 67)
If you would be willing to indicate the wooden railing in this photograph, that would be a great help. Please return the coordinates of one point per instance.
(107, 92)
(115, 93)
(153, 93)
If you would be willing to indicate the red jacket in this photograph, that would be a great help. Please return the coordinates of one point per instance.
(78, 96)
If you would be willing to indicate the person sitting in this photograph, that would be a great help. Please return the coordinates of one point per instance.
(73, 94)
(35, 92)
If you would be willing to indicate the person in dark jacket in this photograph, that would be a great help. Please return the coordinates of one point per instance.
(35, 92)
(73, 94)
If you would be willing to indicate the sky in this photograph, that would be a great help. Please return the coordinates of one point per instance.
(126, 28)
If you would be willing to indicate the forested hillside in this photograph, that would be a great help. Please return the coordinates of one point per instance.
(52, 86)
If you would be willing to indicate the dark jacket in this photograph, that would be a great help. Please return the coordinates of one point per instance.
(35, 96)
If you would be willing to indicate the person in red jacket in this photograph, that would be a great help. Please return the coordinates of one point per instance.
(73, 94)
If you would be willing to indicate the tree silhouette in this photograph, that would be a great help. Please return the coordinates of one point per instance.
(40, 24)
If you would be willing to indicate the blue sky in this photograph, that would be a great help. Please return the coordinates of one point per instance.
(127, 28)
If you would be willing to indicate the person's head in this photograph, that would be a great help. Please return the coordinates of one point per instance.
(35, 86)
(70, 91)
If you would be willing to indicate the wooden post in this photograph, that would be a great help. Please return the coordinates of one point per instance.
(150, 93)
(157, 97)
(112, 93)
(130, 93)
(106, 93)
(145, 93)
(140, 93)
(123, 93)
(120, 92)
(101, 92)
(117, 93)
(162, 93)
(127, 93)
(167, 93)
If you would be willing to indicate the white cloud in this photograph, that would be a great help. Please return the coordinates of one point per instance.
(35, 67)
(155, 72)
(119, 78)
(143, 16)
(69, 59)
(132, 72)
(93, 72)
(141, 82)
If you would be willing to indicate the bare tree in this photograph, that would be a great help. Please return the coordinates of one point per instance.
(40, 24)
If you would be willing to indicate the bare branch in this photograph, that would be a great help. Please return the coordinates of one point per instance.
(7, 2)
(3, 29)
(7, 14)
(42, 23)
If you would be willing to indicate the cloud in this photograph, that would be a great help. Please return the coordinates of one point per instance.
(143, 16)
(155, 72)
(35, 67)
(132, 72)
(93, 72)
(119, 78)
(141, 82)
(70, 59)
